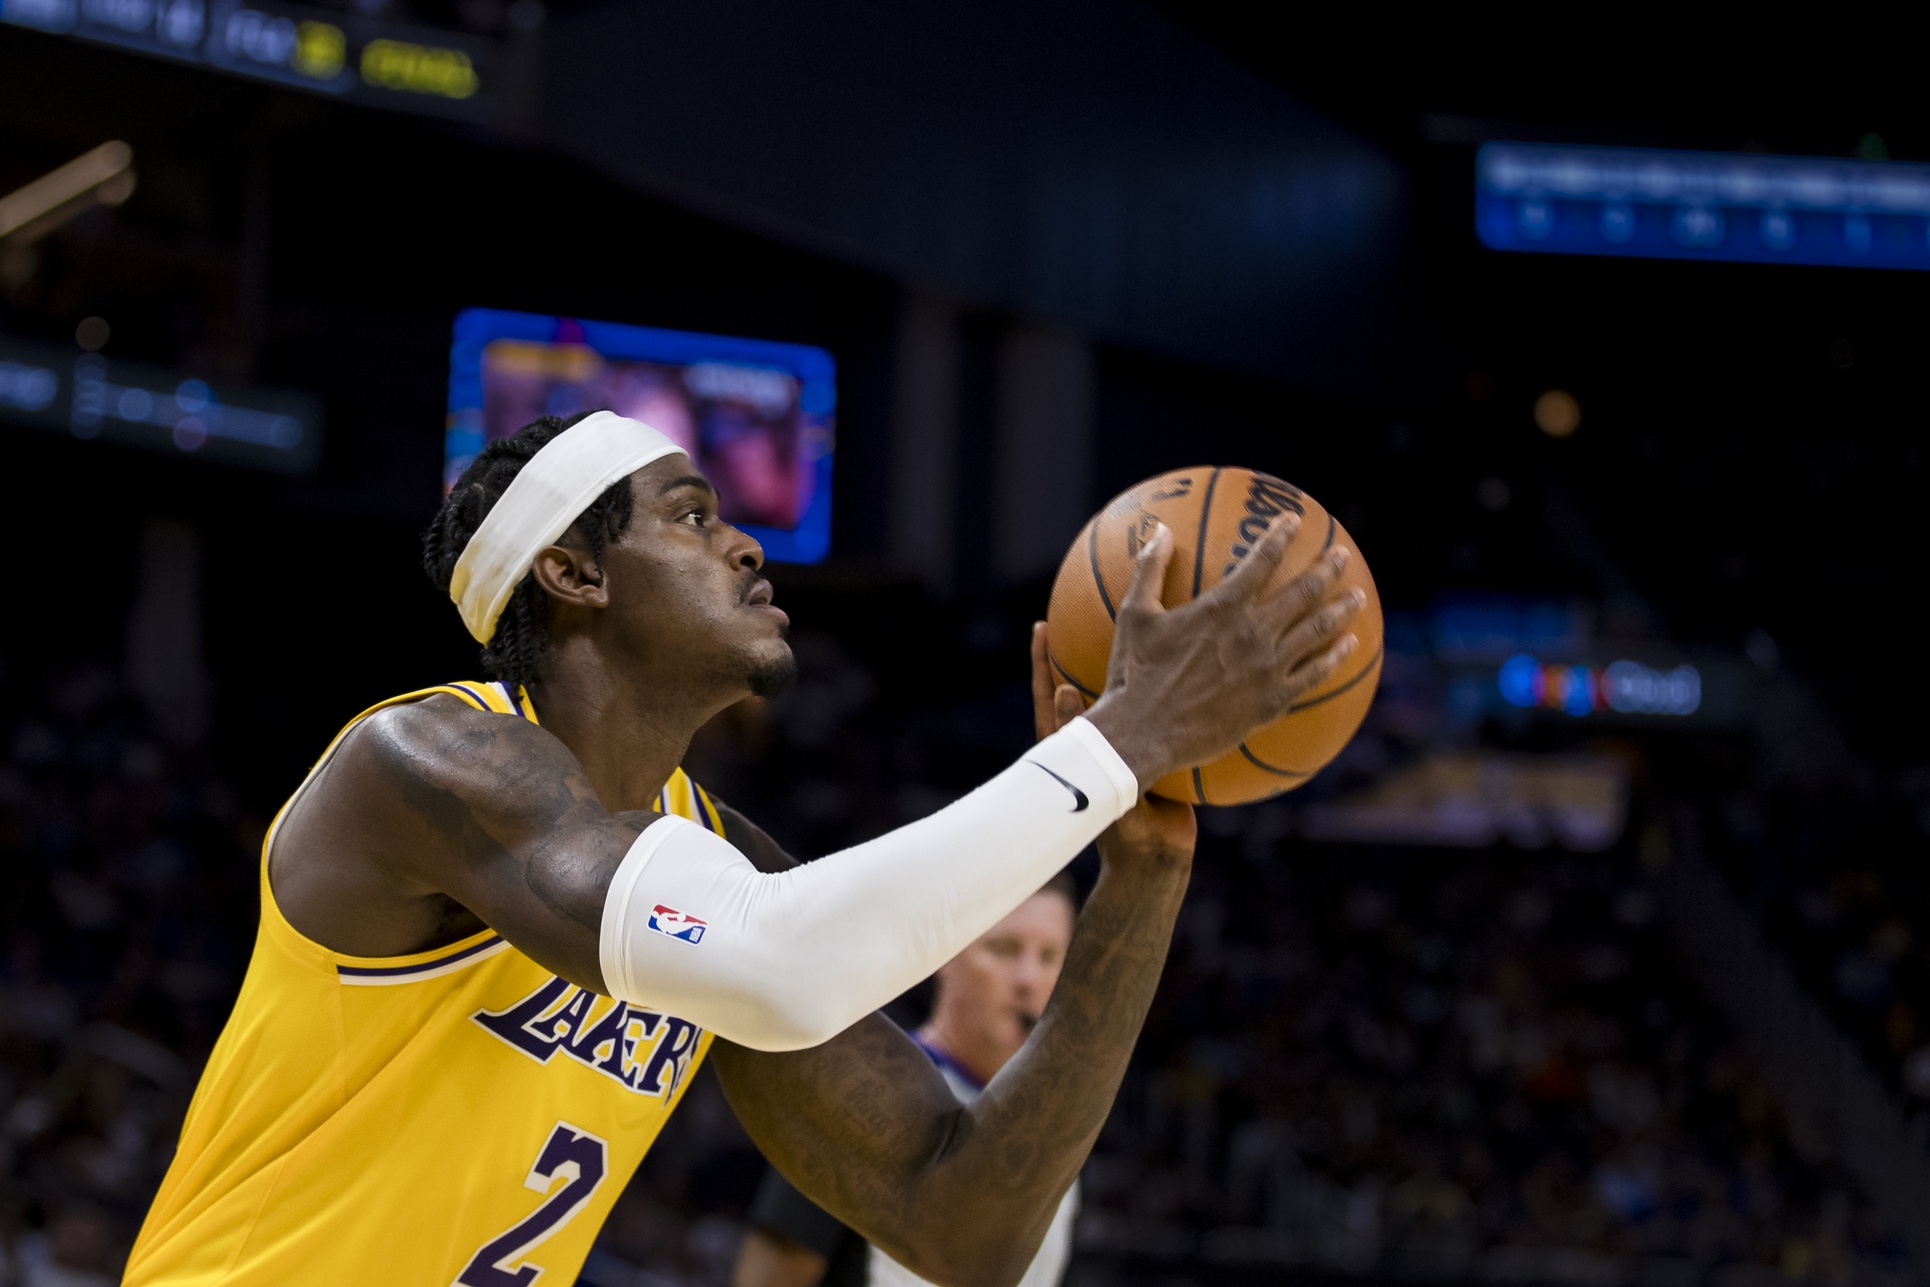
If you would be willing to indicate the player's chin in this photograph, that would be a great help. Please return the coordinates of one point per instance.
(773, 668)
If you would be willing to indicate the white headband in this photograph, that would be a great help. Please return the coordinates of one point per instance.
(560, 481)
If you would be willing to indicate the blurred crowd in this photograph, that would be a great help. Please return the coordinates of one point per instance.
(1836, 874)
(1367, 1062)
(1429, 1065)
(129, 906)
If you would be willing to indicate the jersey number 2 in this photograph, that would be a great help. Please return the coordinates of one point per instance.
(580, 1159)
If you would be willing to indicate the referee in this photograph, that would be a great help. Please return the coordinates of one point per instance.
(988, 998)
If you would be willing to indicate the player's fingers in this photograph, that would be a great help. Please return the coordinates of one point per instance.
(1305, 593)
(1043, 722)
(1149, 572)
(1257, 568)
(1067, 705)
(1309, 675)
(1318, 629)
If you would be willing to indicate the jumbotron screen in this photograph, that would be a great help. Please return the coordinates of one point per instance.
(1584, 200)
(756, 415)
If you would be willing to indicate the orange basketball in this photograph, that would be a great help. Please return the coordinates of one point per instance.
(1216, 515)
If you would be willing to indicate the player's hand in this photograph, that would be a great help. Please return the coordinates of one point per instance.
(1155, 831)
(1185, 685)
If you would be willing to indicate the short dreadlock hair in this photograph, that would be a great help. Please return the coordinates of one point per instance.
(514, 654)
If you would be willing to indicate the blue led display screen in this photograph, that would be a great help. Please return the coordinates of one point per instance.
(1624, 687)
(157, 409)
(1702, 205)
(755, 415)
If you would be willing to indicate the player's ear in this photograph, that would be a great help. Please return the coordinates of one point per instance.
(570, 576)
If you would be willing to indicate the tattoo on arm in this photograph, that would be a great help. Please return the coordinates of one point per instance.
(496, 814)
(865, 1127)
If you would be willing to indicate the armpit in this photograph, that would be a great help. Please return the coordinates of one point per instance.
(752, 840)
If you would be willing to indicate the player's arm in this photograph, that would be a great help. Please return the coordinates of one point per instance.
(790, 959)
(436, 803)
(963, 1196)
(495, 816)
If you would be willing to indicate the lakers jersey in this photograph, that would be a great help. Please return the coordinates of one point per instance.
(455, 1118)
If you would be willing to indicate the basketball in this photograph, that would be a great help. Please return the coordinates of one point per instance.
(1217, 515)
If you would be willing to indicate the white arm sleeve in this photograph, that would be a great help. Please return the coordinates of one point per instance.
(785, 960)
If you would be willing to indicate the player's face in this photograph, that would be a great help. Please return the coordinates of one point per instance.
(996, 989)
(688, 589)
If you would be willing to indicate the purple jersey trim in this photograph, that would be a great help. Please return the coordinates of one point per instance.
(396, 971)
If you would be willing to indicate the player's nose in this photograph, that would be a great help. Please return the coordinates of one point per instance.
(745, 551)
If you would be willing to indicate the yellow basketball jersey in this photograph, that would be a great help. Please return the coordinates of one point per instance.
(456, 1118)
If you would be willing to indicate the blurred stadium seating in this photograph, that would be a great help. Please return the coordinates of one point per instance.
(130, 901)
(1835, 873)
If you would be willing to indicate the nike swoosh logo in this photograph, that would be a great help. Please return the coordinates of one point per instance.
(1079, 801)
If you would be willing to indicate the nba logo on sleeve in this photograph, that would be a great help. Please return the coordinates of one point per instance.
(668, 920)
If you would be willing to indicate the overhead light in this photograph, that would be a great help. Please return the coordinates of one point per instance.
(1557, 414)
(103, 176)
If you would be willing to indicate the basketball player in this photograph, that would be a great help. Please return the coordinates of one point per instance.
(987, 999)
(500, 927)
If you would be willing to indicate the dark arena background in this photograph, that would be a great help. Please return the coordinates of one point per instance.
(1593, 961)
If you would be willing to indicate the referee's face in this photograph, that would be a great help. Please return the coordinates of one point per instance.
(990, 995)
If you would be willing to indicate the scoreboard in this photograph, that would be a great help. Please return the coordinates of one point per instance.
(1736, 206)
(368, 60)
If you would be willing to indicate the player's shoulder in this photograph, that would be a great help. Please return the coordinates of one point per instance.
(442, 741)
(439, 723)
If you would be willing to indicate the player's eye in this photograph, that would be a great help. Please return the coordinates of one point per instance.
(696, 516)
